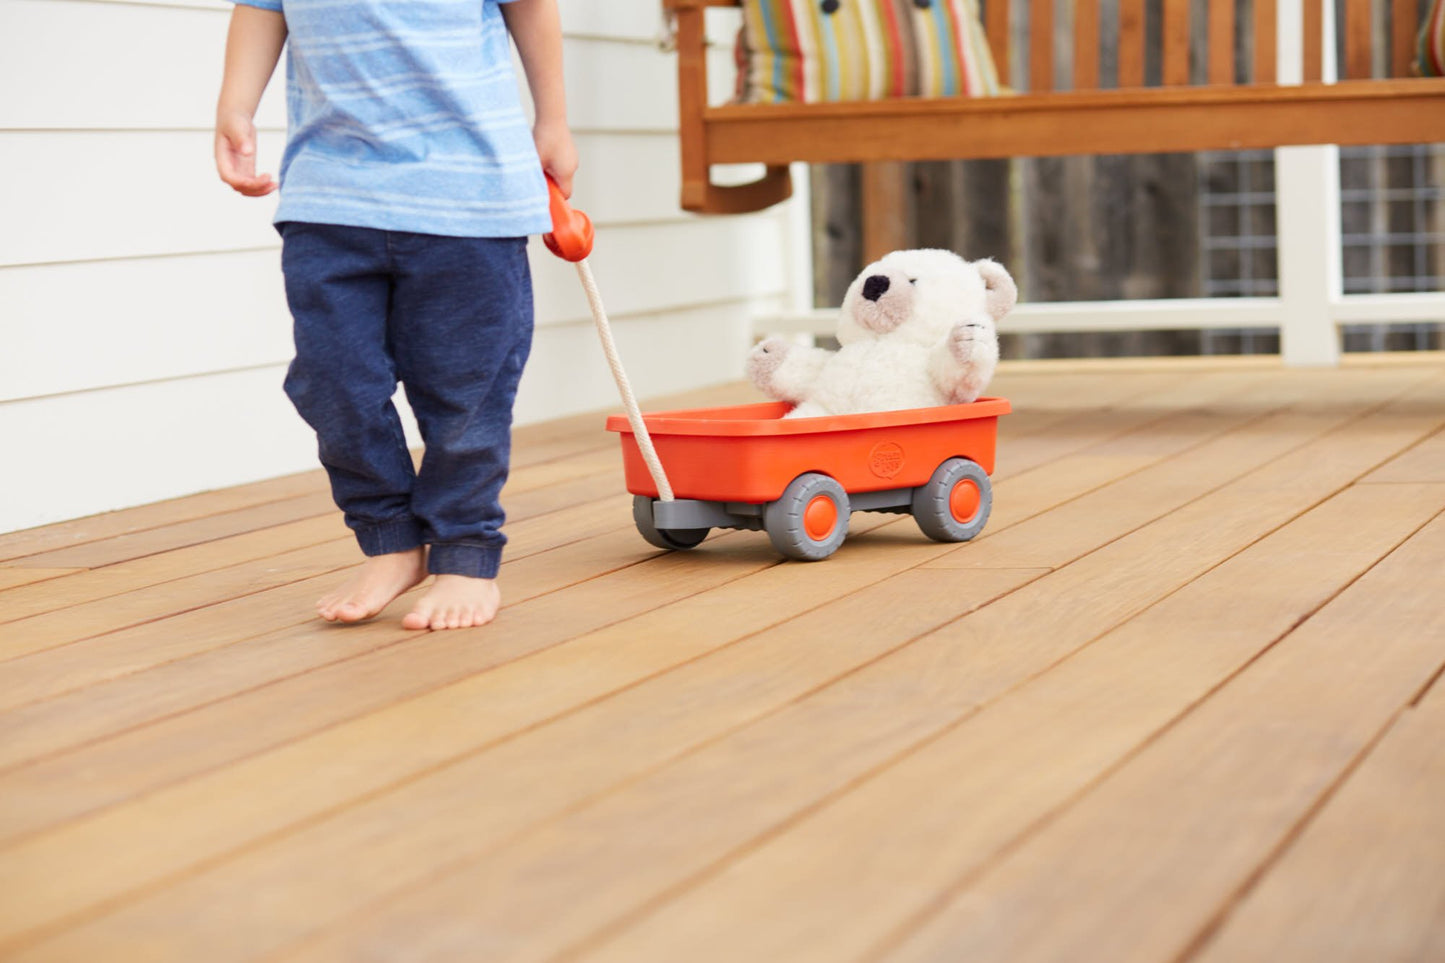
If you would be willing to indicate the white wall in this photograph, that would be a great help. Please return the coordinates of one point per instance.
(143, 330)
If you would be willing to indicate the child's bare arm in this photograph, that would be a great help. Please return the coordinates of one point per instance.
(536, 27)
(253, 46)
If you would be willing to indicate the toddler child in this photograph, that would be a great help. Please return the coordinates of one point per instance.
(409, 183)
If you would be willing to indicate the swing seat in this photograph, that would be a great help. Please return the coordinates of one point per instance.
(1043, 121)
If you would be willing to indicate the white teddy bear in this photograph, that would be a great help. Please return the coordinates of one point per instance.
(916, 330)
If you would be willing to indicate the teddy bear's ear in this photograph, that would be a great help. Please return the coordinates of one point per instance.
(1003, 294)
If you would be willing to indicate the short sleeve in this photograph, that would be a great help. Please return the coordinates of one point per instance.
(272, 5)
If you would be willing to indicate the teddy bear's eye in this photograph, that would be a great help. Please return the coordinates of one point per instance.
(913, 280)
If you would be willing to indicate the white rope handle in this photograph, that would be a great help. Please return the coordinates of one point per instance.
(634, 414)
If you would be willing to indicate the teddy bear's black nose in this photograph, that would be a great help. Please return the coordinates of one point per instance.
(875, 287)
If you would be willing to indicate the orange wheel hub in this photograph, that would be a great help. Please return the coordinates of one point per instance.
(820, 517)
(964, 500)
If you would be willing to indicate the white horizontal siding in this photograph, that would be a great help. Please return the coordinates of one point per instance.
(90, 452)
(664, 353)
(85, 65)
(640, 22)
(69, 327)
(129, 58)
(141, 305)
(647, 269)
(157, 193)
(124, 194)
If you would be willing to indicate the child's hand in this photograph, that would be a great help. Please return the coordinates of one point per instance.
(557, 153)
(236, 155)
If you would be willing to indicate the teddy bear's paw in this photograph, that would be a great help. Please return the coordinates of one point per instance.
(963, 339)
(765, 360)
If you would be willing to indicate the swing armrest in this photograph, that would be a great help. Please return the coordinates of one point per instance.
(702, 196)
(699, 193)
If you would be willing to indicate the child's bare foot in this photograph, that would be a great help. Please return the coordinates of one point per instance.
(455, 602)
(380, 579)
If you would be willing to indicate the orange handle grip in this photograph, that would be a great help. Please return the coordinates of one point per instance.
(571, 237)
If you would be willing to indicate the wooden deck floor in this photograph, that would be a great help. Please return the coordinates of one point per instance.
(1180, 701)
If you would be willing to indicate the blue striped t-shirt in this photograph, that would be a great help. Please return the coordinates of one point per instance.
(405, 115)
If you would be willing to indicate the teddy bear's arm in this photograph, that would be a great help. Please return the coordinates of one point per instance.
(962, 364)
(784, 370)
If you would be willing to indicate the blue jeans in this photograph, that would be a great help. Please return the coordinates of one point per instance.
(450, 318)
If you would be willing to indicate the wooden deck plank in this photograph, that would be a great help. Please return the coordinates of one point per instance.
(88, 767)
(493, 902)
(91, 602)
(165, 538)
(115, 655)
(448, 721)
(1213, 449)
(82, 530)
(11, 577)
(101, 658)
(123, 650)
(178, 593)
(154, 556)
(1386, 824)
(409, 818)
(210, 680)
(1422, 462)
(41, 728)
(21, 605)
(515, 783)
(952, 807)
(13, 794)
(386, 672)
(320, 551)
(1090, 425)
(808, 901)
(1185, 824)
(443, 823)
(1071, 479)
(562, 438)
(379, 663)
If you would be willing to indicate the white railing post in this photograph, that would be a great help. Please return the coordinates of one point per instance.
(1307, 217)
(1307, 213)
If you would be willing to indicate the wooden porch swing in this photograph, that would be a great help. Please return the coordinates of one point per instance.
(1269, 111)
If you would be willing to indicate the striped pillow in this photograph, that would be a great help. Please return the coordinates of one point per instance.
(1431, 61)
(817, 50)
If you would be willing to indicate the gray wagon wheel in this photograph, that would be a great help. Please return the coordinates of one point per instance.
(669, 538)
(810, 519)
(954, 505)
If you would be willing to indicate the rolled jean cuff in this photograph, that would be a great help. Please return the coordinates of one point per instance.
(474, 561)
(384, 538)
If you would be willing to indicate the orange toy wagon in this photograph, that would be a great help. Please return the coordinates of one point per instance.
(799, 480)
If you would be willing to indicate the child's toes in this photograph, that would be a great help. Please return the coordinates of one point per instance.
(417, 618)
